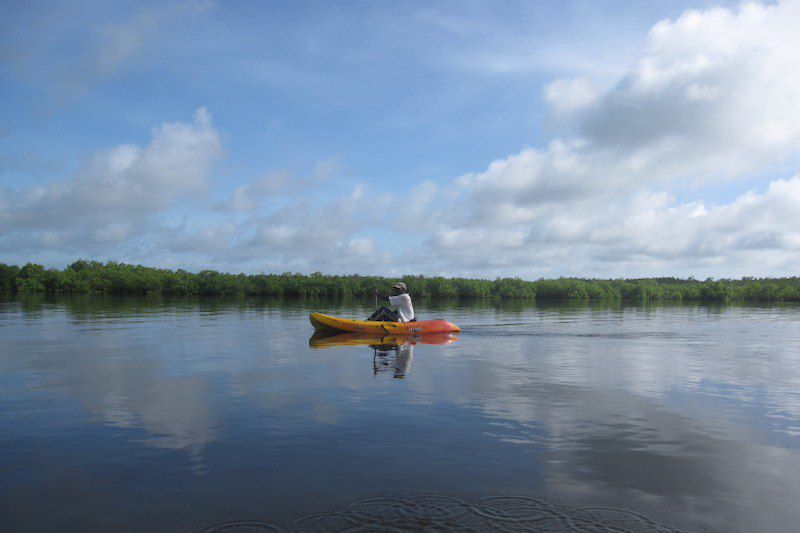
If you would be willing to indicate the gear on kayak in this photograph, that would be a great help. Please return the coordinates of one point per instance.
(384, 314)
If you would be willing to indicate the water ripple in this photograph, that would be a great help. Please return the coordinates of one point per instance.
(433, 512)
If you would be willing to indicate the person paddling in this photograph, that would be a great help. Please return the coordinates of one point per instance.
(399, 299)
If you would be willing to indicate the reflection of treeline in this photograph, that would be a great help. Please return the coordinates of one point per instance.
(120, 278)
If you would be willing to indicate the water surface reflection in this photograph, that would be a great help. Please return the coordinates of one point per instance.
(389, 352)
(164, 414)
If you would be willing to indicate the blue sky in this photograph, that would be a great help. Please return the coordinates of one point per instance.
(482, 139)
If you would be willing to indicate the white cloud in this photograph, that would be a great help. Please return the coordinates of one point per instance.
(251, 196)
(124, 202)
(264, 191)
(714, 94)
(314, 235)
(569, 95)
(118, 188)
(713, 97)
(643, 233)
(362, 247)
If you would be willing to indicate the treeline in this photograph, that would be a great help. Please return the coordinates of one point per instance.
(119, 278)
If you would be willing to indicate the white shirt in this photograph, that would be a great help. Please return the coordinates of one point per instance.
(404, 307)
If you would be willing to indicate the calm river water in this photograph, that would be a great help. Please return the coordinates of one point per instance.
(215, 415)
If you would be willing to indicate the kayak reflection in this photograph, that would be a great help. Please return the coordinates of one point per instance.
(390, 353)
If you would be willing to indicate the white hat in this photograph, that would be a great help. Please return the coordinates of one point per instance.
(400, 285)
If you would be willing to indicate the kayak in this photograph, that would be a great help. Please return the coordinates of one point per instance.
(330, 339)
(323, 322)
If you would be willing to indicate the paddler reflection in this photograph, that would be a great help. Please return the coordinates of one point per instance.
(390, 354)
(392, 357)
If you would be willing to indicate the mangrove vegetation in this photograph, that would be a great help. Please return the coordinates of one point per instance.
(120, 278)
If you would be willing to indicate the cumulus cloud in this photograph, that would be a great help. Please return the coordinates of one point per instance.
(118, 188)
(124, 201)
(715, 90)
(713, 97)
(249, 197)
(567, 96)
(280, 184)
(316, 235)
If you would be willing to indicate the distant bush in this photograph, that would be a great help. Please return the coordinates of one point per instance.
(714, 291)
(8, 277)
(120, 278)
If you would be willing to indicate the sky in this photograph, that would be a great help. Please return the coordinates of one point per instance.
(481, 139)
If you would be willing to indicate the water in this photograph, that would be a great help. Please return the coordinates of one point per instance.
(146, 414)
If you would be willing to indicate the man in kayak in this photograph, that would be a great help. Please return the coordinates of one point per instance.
(399, 299)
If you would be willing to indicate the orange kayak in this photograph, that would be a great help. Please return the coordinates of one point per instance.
(322, 322)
